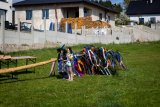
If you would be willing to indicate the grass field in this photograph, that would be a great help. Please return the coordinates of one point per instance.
(139, 86)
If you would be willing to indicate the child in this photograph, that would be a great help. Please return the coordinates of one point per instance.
(61, 66)
(69, 63)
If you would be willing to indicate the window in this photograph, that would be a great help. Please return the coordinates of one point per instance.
(109, 18)
(28, 14)
(86, 12)
(13, 17)
(100, 16)
(153, 20)
(77, 14)
(141, 20)
(67, 14)
(45, 13)
(3, 12)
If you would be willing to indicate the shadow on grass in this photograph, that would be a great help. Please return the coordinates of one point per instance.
(11, 78)
(4, 81)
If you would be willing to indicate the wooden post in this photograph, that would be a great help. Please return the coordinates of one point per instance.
(52, 72)
(56, 19)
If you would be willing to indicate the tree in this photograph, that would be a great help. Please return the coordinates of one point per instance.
(127, 2)
(122, 20)
(108, 3)
(117, 7)
(100, 1)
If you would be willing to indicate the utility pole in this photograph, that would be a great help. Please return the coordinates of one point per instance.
(3, 32)
(19, 27)
(32, 31)
(45, 31)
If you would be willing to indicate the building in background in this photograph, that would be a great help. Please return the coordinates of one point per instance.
(6, 9)
(55, 10)
(143, 11)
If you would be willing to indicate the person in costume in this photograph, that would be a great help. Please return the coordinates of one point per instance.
(61, 62)
(69, 63)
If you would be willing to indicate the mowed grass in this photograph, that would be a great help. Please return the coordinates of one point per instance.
(139, 86)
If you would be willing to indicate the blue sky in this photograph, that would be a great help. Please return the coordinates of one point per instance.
(116, 1)
(16, 1)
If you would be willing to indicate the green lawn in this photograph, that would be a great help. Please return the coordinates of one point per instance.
(139, 86)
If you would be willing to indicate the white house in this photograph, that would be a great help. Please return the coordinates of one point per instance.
(6, 9)
(144, 11)
(54, 10)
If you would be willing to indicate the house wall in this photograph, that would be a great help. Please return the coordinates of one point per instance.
(8, 7)
(106, 16)
(37, 13)
(111, 18)
(146, 17)
(95, 12)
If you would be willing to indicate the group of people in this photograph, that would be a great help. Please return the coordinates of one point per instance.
(90, 60)
(65, 62)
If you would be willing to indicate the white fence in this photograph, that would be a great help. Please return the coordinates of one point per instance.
(15, 40)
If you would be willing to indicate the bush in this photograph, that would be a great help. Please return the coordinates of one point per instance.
(122, 20)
